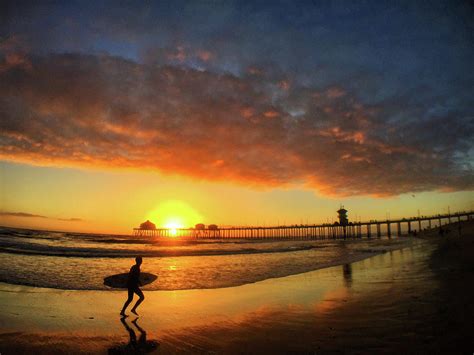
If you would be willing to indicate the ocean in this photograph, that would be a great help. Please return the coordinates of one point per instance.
(80, 261)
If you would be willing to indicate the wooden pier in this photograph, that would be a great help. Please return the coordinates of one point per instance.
(310, 232)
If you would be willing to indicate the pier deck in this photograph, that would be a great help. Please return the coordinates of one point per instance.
(313, 231)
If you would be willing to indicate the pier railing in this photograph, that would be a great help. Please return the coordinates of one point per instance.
(312, 231)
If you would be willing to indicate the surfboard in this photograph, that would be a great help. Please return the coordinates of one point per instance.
(120, 280)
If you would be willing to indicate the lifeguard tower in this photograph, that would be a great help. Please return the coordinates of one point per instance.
(342, 215)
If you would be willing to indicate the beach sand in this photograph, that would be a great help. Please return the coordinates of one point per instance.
(417, 300)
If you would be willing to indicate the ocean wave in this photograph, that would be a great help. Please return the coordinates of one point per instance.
(8, 234)
(122, 253)
(164, 284)
(76, 261)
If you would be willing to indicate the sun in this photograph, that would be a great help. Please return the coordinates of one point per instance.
(173, 215)
(173, 225)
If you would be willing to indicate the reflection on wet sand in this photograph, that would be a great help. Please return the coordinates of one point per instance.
(347, 273)
(140, 346)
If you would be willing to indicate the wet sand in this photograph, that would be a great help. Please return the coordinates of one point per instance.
(416, 300)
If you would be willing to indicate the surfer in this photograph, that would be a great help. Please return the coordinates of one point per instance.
(132, 285)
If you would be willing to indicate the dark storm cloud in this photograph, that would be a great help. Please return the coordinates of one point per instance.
(368, 99)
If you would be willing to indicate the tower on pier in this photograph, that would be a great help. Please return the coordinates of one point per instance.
(342, 214)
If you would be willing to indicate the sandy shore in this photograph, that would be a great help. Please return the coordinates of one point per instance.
(416, 299)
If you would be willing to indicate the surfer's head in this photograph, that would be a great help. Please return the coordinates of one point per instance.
(138, 260)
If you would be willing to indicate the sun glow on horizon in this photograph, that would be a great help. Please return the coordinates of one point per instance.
(173, 225)
(174, 214)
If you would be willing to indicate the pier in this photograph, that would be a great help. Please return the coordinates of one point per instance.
(372, 228)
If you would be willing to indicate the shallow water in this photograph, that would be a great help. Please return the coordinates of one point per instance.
(81, 261)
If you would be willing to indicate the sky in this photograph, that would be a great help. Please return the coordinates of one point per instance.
(233, 112)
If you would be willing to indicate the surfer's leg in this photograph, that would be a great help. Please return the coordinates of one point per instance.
(140, 300)
(127, 302)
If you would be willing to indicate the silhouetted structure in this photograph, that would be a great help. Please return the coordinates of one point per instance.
(213, 231)
(342, 215)
(147, 225)
(146, 229)
(310, 231)
(200, 230)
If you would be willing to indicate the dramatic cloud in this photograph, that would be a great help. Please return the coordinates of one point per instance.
(345, 98)
(85, 110)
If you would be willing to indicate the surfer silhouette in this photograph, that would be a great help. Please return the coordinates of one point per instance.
(133, 284)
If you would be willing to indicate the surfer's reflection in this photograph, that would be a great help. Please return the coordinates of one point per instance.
(347, 273)
(135, 346)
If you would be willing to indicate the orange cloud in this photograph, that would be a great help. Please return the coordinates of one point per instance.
(13, 54)
(204, 55)
(271, 114)
(102, 111)
(247, 112)
(335, 92)
(284, 84)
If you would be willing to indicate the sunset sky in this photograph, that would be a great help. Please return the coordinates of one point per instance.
(233, 112)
